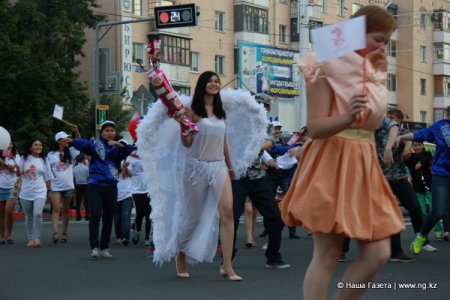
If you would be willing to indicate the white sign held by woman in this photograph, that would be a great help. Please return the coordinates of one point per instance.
(335, 40)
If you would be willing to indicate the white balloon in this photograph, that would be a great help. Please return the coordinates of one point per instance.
(5, 138)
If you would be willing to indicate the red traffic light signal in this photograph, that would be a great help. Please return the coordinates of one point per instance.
(175, 16)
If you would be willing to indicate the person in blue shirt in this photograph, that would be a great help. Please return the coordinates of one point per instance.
(106, 154)
(439, 133)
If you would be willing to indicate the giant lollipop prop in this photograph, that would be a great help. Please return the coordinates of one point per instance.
(161, 85)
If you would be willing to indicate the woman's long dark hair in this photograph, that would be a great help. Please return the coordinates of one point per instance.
(198, 102)
(65, 156)
(27, 151)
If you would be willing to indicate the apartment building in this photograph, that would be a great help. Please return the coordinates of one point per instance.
(229, 33)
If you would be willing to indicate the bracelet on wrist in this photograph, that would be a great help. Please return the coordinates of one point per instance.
(230, 169)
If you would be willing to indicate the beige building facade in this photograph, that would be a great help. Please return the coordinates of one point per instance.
(419, 52)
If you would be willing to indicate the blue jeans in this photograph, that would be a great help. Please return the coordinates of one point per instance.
(122, 222)
(440, 202)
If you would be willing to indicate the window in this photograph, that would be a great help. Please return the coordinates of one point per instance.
(340, 8)
(442, 51)
(439, 114)
(446, 85)
(220, 21)
(356, 7)
(423, 116)
(195, 60)
(391, 83)
(165, 2)
(256, 20)
(138, 52)
(282, 31)
(175, 50)
(182, 90)
(438, 51)
(423, 20)
(220, 64)
(324, 5)
(137, 7)
(392, 48)
(423, 54)
(423, 86)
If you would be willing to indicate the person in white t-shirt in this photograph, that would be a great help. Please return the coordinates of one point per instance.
(141, 199)
(61, 161)
(36, 173)
(81, 177)
(9, 170)
(124, 205)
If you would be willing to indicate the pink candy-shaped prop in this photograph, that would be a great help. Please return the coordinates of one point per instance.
(161, 85)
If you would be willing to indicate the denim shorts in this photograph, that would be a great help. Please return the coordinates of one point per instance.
(5, 194)
(66, 193)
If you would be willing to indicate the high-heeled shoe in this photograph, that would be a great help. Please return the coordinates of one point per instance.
(180, 274)
(230, 278)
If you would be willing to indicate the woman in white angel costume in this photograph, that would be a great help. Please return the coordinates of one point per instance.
(190, 177)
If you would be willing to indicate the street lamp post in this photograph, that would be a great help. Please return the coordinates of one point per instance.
(98, 38)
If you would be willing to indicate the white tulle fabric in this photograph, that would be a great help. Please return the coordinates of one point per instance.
(186, 184)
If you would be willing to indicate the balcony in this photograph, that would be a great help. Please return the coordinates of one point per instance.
(441, 37)
(251, 37)
(441, 68)
(441, 100)
(179, 75)
(313, 11)
(262, 3)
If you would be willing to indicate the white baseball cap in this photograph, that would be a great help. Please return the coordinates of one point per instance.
(61, 135)
(277, 124)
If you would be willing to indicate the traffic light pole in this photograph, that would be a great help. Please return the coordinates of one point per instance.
(98, 38)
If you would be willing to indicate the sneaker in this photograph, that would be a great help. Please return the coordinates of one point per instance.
(263, 234)
(428, 248)
(343, 258)
(293, 236)
(264, 247)
(402, 258)
(136, 237)
(95, 254)
(125, 242)
(416, 245)
(105, 254)
(147, 244)
(277, 264)
(446, 236)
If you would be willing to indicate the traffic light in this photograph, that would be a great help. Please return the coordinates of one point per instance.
(175, 16)
(102, 112)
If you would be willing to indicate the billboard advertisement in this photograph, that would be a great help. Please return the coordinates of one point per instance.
(265, 69)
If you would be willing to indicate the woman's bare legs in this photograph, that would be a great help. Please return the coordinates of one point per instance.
(250, 222)
(55, 198)
(65, 213)
(2, 220)
(180, 262)
(9, 217)
(327, 249)
(372, 257)
(227, 227)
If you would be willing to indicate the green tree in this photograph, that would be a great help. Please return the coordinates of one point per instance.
(39, 43)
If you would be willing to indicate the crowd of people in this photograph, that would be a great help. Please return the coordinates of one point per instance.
(343, 186)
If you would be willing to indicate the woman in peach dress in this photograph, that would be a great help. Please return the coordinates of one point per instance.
(338, 189)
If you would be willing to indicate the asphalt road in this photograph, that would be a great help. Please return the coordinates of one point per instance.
(66, 272)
